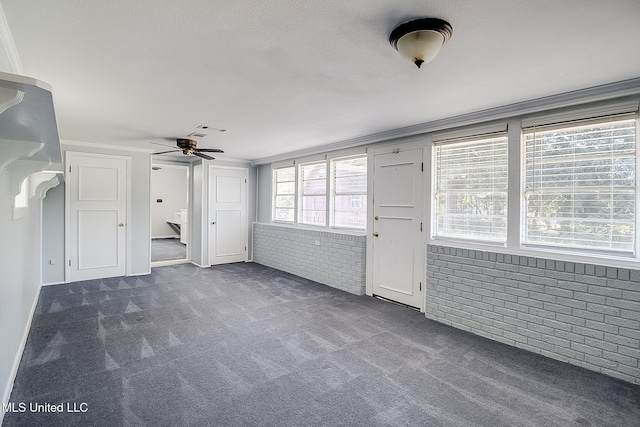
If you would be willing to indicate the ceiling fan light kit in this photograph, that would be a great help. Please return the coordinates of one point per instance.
(420, 40)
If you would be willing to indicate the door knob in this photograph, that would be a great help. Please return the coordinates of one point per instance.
(376, 217)
(375, 234)
(121, 224)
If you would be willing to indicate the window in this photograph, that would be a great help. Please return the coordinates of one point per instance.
(284, 194)
(580, 185)
(349, 192)
(470, 180)
(324, 193)
(313, 194)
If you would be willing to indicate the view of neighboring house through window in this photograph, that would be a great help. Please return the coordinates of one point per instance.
(349, 192)
(580, 185)
(284, 194)
(313, 194)
(471, 189)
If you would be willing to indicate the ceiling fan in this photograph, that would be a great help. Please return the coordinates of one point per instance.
(188, 146)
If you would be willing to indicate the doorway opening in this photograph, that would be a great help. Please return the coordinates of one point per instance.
(169, 214)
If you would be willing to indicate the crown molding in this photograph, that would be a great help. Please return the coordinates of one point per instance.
(566, 99)
(112, 147)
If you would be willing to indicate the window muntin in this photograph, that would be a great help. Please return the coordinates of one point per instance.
(349, 192)
(313, 194)
(580, 186)
(284, 194)
(470, 181)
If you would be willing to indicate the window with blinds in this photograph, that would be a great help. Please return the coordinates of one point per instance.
(349, 192)
(470, 180)
(313, 194)
(284, 194)
(580, 185)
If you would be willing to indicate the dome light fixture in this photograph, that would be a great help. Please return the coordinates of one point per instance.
(420, 40)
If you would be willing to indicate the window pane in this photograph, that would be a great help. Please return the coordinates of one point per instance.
(285, 174)
(283, 215)
(285, 188)
(349, 192)
(471, 189)
(285, 201)
(580, 186)
(350, 211)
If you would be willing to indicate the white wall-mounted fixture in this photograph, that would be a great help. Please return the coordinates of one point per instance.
(420, 40)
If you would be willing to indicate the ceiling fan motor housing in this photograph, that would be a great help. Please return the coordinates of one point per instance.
(186, 144)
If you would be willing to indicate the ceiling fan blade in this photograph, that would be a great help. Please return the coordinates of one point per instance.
(164, 145)
(210, 150)
(204, 156)
(164, 152)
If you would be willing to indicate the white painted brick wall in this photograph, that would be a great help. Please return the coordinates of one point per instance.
(339, 261)
(586, 315)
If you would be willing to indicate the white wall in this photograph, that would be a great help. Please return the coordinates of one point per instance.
(169, 184)
(264, 194)
(53, 236)
(19, 281)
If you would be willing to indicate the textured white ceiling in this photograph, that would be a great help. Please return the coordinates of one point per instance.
(284, 75)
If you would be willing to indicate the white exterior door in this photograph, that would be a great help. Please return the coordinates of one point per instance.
(97, 211)
(397, 240)
(228, 228)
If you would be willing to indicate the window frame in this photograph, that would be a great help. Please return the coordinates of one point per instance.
(580, 251)
(274, 193)
(469, 140)
(328, 160)
(361, 195)
(301, 194)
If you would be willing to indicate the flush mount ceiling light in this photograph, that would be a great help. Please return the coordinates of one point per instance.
(420, 40)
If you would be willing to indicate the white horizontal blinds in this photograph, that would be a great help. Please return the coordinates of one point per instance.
(349, 192)
(284, 194)
(471, 189)
(313, 193)
(580, 185)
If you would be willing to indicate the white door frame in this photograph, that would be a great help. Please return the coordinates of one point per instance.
(67, 206)
(205, 208)
(189, 168)
(404, 144)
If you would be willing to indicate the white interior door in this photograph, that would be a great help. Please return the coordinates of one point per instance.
(228, 228)
(397, 239)
(97, 201)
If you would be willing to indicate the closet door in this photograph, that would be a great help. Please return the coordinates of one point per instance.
(97, 210)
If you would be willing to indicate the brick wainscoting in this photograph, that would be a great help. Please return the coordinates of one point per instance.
(338, 260)
(587, 315)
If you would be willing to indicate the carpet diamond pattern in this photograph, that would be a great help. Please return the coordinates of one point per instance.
(247, 345)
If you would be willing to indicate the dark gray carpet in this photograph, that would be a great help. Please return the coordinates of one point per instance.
(167, 249)
(246, 345)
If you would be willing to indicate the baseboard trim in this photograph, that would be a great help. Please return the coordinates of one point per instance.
(141, 274)
(16, 361)
(53, 283)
